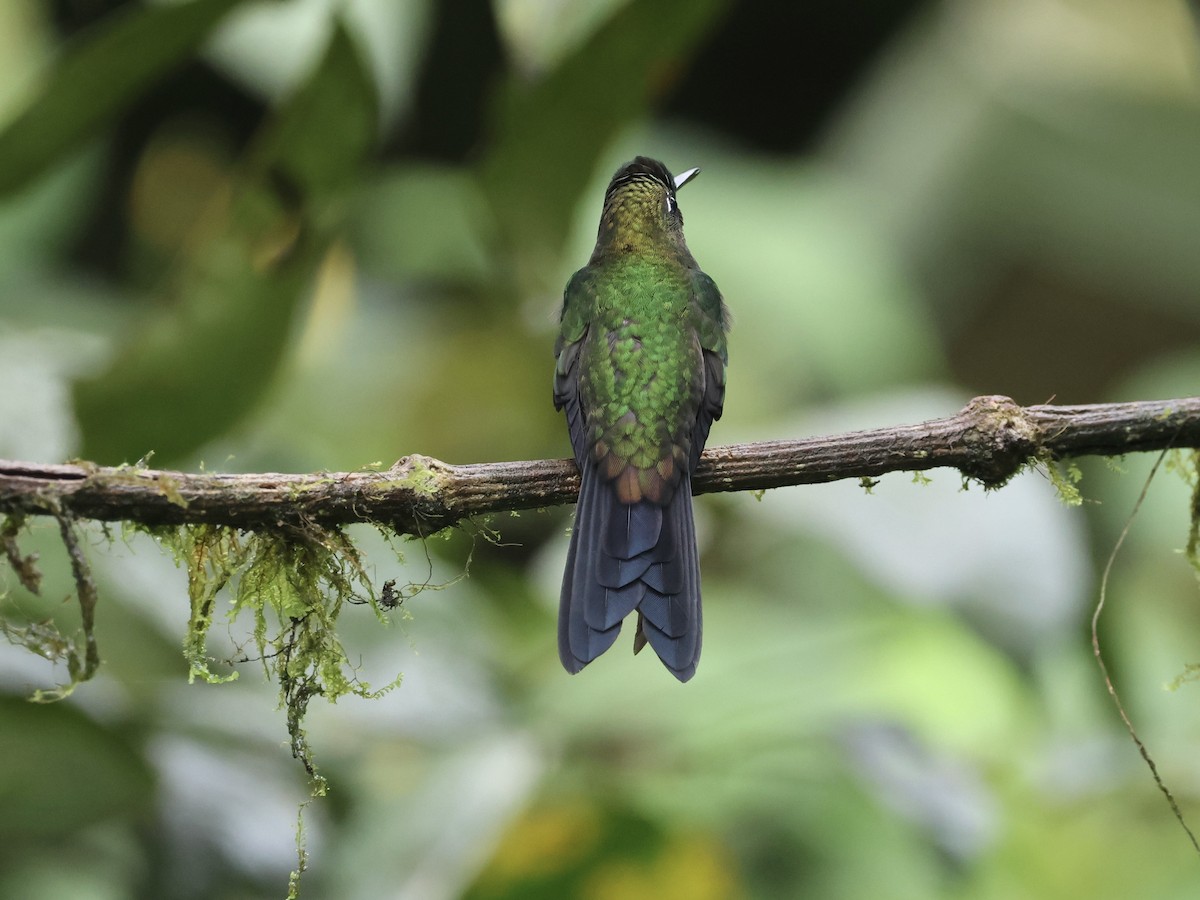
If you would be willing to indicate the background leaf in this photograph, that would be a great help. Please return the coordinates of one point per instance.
(97, 77)
(196, 368)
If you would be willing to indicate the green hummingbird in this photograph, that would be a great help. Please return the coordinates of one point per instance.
(641, 375)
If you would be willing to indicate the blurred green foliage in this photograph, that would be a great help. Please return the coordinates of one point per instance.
(318, 235)
(97, 78)
(200, 365)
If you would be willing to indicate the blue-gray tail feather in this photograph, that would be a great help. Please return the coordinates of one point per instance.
(631, 557)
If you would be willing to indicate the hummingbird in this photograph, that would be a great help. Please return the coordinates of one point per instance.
(640, 374)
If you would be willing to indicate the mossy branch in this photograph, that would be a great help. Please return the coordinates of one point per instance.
(990, 440)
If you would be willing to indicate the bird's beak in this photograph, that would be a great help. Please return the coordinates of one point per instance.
(684, 177)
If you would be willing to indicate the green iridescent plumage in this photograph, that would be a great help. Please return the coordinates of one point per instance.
(641, 374)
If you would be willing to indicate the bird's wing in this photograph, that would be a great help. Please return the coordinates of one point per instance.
(713, 323)
(573, 329)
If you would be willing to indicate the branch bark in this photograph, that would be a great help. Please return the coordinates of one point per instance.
(990, 440)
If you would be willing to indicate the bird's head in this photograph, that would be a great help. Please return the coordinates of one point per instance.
(641, 211)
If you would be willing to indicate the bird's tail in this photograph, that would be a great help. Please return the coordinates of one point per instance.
(626, 557)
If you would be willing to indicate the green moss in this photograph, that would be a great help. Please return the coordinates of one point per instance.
(79, 652)
(1193, 544)
(135, 476)
(301, 855)
(1115, 464)
(293, 585)
(24, 566)
(299, 489)
(1190, 673)
(1186, 464)
(421, 477)
(1066, 477)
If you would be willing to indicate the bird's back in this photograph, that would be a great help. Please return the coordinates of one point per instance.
(639, 376)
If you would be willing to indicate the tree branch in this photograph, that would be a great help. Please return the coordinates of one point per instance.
(990, 440)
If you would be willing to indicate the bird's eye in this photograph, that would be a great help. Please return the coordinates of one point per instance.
(670, 204)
